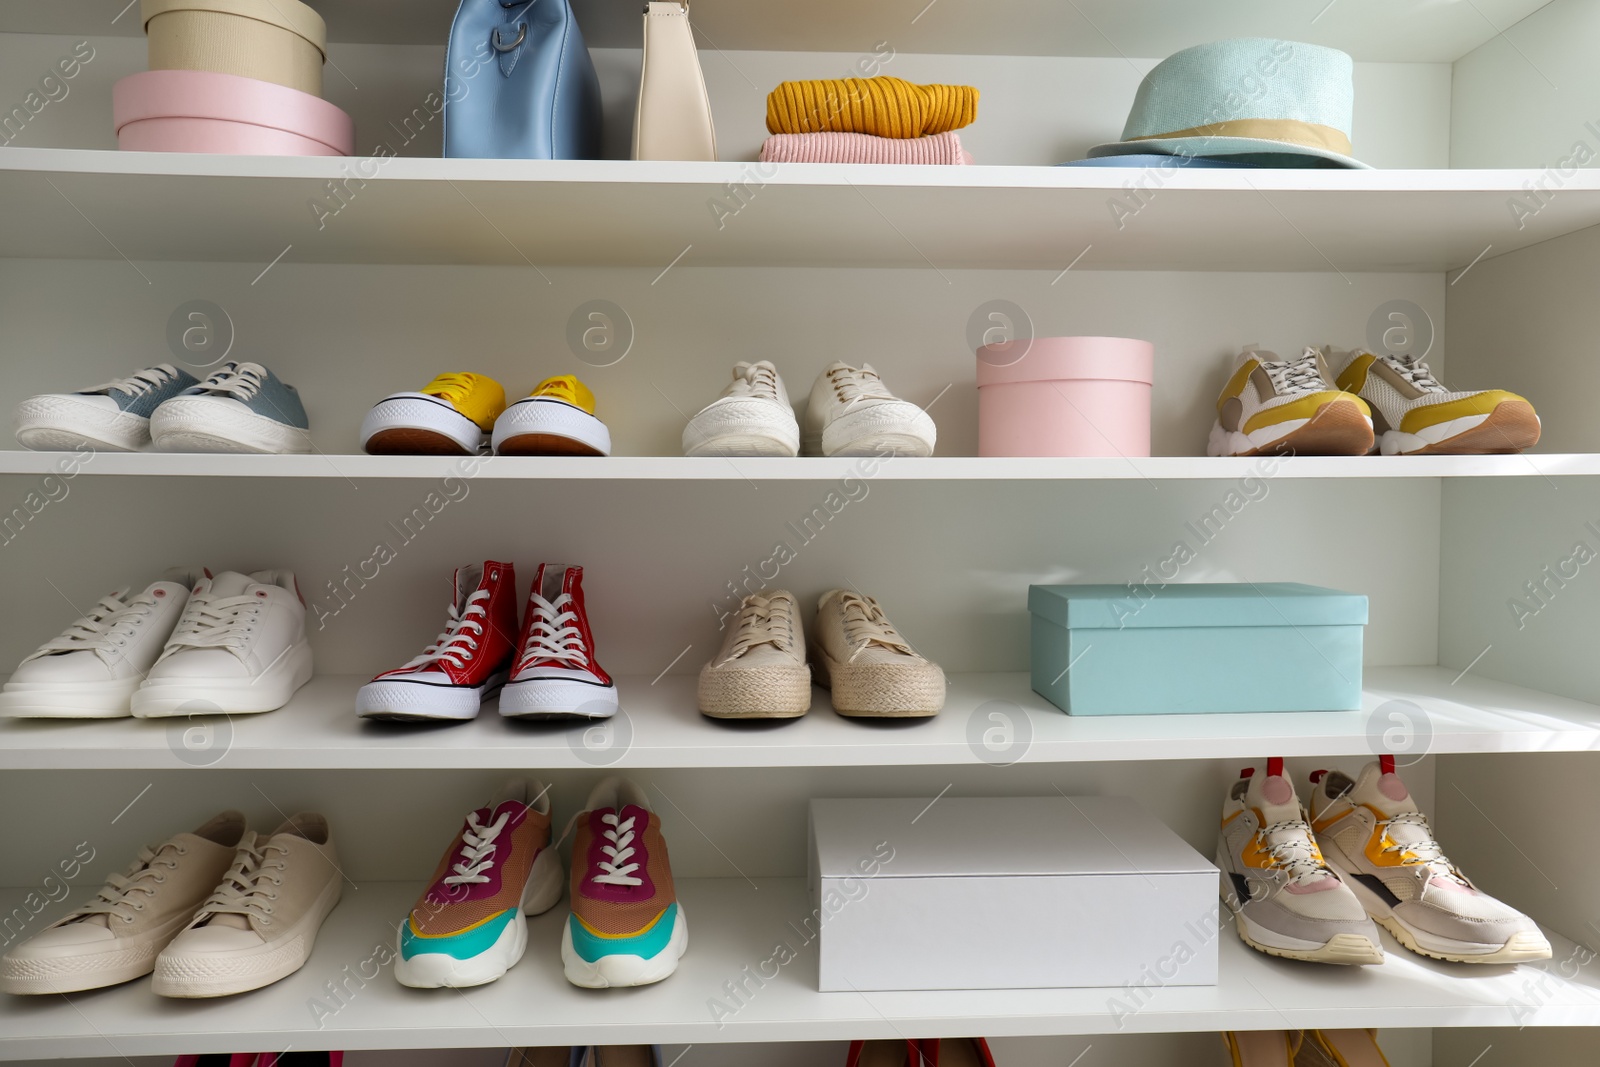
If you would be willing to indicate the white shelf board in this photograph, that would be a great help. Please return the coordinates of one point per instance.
(319, 729)
(1392, 30)
(806, 468)
(75, 204)
(735, 924)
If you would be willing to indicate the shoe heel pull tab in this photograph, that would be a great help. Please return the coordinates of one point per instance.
(1275, 767)
(1317, 776)
(1386, 764)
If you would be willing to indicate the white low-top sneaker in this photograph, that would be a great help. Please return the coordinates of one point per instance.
(239, 648)
(115, 936)
(91, 670)
(114, 416)
(852, 413)
(260, 923)
(752, 417)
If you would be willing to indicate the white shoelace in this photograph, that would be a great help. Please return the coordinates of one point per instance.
(244, 889)
(216, 622)
(865, 625)
(1416, 372)
(1416, 837)
(477, 851)
(615, 869)
(116, 896)
(1295, 853)
(763, 620)
(554, 633)
(1296, 376)
(242, 381)
(140, 382)
(754, 379)
(458, 643)
(103, 630)
(854, 384)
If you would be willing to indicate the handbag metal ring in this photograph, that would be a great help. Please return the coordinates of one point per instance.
(522, 35)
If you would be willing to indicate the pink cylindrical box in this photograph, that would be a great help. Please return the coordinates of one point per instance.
(1065, 396)
(202, 111)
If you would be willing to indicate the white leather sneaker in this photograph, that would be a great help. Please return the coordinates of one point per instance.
(91, 670)
(240, 648)
(261, 921)
(752, 417)
(852, 413)
(116, 935)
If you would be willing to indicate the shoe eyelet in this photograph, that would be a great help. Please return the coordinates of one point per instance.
(128, 919)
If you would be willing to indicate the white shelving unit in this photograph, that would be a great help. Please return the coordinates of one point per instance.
(1480, 227)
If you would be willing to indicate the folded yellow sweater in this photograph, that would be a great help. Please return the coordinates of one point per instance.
(884, 106)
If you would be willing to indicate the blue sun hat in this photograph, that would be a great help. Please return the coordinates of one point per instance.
(1256, 100)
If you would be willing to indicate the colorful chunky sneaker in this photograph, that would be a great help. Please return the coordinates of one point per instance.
(1415, 415)
(466, 929)
(871, 670)
(93, 668)
(1375, 836)
(850, 412)
(116, 935)
(242, 407)
(556, 419)
(752, 417)
(1285, 899)
(626, 926)
(466, 664)
(1288, 406)
(453, 415)
(114, 416)
(760, 672)
(556, 674)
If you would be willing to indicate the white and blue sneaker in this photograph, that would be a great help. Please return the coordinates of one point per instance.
(242, 407)
(112, 417)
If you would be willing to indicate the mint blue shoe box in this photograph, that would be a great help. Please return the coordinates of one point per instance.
(1196, 649)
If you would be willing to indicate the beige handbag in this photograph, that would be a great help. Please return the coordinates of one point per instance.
(674, 116)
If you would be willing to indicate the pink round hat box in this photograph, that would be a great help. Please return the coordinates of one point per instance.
(203, 111)
(1065, 396)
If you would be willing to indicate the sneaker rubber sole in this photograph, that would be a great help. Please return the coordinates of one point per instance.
(557, 698)
(397, 700)
(880, 691)
(218, 424)
(619, 971)
(775, 692)
(1337, 429)
(64, 700)
(414, 424)
(537, 427)
(219, 974)
(1511, 427)
(56, 423)
(267, 691)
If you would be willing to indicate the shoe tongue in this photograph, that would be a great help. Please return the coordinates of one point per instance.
(468, 579)
(231, 583)
(1272, 794)
(1381, 788)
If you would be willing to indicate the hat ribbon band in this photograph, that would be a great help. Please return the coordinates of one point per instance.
(1291, 131)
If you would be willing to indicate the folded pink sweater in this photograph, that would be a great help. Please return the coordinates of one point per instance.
(863, 148)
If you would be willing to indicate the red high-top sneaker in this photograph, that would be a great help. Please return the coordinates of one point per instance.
(465, 665)
(556, 675)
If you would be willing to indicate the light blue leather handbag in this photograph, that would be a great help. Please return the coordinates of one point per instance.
(519, 84)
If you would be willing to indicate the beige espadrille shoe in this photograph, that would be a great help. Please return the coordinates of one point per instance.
(761, 671)
(872, 670)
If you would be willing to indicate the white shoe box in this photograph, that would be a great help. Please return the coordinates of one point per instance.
(1007, 893)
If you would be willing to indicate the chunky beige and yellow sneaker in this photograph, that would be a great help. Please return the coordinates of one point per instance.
(872, 670)
(760, 672)
(116, 936)
(1415, 415)
(261, 921)
(556, 419)
(1288, 406)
